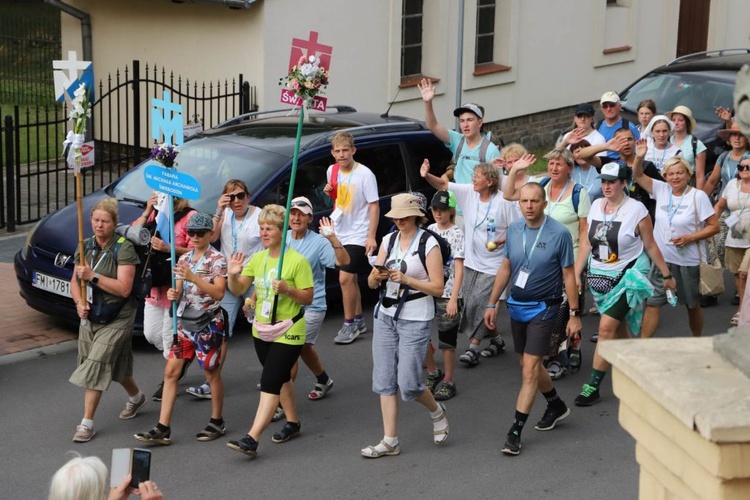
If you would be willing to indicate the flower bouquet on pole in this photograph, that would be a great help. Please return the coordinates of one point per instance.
(80, 112)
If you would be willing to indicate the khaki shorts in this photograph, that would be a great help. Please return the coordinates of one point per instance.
(737, 259)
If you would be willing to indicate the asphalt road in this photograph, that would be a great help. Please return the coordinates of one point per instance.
(586, 456)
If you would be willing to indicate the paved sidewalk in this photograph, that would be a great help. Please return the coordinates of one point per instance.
(25, 328)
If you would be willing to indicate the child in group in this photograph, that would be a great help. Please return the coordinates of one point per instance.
(201, 328)
(448, 307)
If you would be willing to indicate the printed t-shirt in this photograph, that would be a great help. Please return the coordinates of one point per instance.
(544, 252)
(354, 193)
(476, 216)
(320, 254)
(208, 267)
(297, 273)
(455, 238)
(616, 234)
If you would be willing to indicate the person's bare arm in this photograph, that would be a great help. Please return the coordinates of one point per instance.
(437, 182)
(509, 190)
(643, 180)
(427, 89)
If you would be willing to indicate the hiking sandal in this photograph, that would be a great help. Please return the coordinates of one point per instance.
(211, 432)
(374, 452)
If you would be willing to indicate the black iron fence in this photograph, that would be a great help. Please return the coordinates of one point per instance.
(35, 179)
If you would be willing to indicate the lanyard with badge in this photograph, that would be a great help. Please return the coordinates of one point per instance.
(236, 232)
(486, 215)
(587, 183)
(265, 306)
(391, 287)
(671, 212)
(337, 212)
(525, 272)
(89, 288)
(196, 270)
(601, 234)
(552, 206)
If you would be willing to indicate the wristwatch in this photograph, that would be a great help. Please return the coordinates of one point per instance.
(95, 279)
(575, 312)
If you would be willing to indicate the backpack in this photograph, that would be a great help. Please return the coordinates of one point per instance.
(625, 124)
(159, 262)
(445, 254)
(576, 192)
(142, 280)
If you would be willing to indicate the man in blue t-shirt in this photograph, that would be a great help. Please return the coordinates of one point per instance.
(539, 261)
(611, 106)
(471, 145)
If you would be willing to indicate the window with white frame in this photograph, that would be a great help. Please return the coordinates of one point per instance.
(411, 38)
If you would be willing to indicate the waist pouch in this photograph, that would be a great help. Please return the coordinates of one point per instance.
(195, 320)
(523, 312)
(270, 332)
(603, 284)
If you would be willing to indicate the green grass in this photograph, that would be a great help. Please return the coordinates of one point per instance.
(36, 143)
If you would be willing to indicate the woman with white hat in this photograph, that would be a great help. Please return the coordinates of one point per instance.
(659, 148)
(691, 149)
(403, 320)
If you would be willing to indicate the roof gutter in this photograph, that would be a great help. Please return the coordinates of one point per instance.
(232, 4)
(85, 25)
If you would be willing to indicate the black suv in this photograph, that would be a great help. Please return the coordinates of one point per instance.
(257, 148)
(702, 81)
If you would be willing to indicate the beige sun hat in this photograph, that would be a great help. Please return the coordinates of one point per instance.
(404, 205)
(687, 113)
(725, 133)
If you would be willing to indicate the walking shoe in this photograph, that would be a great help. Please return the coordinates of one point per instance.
(211, 432)
(278, 414)
(131, 409)
(588, 396)
(552, 416)
(246, 445)
(497, 346)
(319, 390)
(203, 391)
(594, 311)
(469, 357)
(709, 300)
(736, 299)
(155, 436)
(347, 334)
(445, 391)
(83, 434)
(289, 431)
(361, 326)
(512, 445)
(433, 380)
(158, 392)
(555, 370)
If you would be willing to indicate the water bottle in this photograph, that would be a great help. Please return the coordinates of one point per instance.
(491, 229)
(671, 297)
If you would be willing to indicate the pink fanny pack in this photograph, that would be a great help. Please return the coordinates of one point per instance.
(270, 332)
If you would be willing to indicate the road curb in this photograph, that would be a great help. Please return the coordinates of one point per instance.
(39, 352)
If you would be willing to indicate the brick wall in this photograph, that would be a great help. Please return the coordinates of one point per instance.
(535, 131)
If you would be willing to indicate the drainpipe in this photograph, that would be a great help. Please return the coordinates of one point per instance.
(85, 25)
(460, 59)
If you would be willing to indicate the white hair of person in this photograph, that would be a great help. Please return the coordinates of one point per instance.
(81, 478)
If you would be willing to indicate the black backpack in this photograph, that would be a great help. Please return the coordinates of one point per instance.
(403, 293)
(159, 262)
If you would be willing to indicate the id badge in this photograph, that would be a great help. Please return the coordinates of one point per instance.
(391, 290)
(265, 309)
(89, 294)
(336, 214)
(604, 253)
(522, 278)
(181, 308)
(731, 220)
(670, 236)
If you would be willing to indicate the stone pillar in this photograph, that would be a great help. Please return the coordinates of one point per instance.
(688, 409)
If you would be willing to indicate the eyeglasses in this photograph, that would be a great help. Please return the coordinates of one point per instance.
(741, 167)
(609, 105)
(583, 115)
(200, 233)
(239, 196)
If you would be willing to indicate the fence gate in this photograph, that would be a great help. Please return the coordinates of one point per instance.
(35, 179)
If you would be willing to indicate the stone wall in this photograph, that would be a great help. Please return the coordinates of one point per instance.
(534, 131)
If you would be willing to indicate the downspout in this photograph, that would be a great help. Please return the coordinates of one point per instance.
(85, 25)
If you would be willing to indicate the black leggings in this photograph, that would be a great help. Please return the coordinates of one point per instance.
(277, 360)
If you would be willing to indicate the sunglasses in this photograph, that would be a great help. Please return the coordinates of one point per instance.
(239, 196)
(741, 167)
(200, 233)
(583, 115)
(609, 105)
(301, 204)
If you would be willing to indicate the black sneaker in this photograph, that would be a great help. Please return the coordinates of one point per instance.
(246, 445)
(289, 431)
(709, 300)
(588, 396)
(512, 445)
(469, 357)
(551, 417)
(158, 392)
(432, 381)
(497, 346)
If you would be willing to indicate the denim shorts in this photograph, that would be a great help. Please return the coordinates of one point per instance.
(398, 352)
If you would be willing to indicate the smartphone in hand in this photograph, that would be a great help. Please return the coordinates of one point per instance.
(136, 462)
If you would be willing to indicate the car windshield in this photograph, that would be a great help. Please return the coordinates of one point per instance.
(212, 161)
(697, 91)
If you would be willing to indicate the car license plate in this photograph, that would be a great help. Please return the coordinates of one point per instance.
(51, 284)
